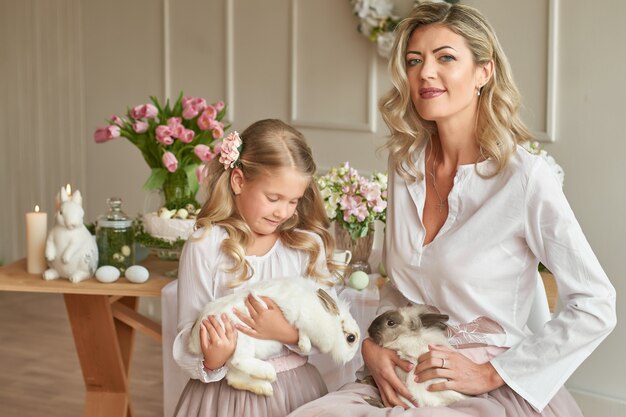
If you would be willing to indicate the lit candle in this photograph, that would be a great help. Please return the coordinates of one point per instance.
(36, 231)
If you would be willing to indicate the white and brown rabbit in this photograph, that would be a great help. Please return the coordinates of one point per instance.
(323, 321)
(71, 250)
(409, 331)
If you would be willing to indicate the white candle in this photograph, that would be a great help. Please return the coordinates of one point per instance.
(36, 231)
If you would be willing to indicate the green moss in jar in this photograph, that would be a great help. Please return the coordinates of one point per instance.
(115, 237)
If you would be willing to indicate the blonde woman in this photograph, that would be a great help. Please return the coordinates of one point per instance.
(263, 219)
(470, 216)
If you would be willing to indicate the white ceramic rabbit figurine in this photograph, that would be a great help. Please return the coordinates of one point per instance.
(71, 250)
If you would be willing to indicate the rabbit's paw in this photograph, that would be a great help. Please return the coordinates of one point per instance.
(50, 253)
(256, 368)
(304, 343)
(242, 382)
(78, 276)
(66, 258)
(50, 274)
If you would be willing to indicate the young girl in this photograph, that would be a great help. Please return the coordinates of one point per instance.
(263, 218)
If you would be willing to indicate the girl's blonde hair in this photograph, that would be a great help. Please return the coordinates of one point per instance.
(268, 145)
(498, 127)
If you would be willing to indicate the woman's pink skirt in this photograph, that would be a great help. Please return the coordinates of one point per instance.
(352, 400)
(292, 388)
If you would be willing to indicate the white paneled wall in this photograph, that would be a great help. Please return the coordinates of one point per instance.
(275, 58)
(43, 123)
(317, 99)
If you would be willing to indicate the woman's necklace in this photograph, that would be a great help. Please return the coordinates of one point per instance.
(441, 204)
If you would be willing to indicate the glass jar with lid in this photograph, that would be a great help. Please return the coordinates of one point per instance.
(115, 236)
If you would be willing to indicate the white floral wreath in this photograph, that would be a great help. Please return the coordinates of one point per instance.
(377, 21)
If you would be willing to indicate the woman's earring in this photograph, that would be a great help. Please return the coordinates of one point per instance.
(478, 91)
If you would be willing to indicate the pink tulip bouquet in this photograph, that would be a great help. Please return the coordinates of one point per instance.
(175, 141)
(353, 201)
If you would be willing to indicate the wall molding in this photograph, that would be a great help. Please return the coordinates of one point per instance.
(549, 135)
(229, 18)
(302, 121)
(167, 48)
(229, 58)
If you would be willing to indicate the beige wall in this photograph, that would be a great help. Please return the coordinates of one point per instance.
(67, 65)
(591, 146)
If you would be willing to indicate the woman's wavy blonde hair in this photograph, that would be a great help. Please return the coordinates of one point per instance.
(498, 127)
(268, 145)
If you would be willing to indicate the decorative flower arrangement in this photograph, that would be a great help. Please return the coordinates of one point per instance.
(535, 148)
(175, 141)
(377, 21)
(354, 201)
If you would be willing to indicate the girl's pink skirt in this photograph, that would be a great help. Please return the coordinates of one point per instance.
(350, 400)
(297, 383)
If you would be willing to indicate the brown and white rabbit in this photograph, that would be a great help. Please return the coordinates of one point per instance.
(409, 331)
(323, 321)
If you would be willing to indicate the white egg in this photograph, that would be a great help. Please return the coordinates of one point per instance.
(107, 274)
(137, 274)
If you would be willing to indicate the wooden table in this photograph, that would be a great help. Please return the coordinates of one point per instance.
(103, 319)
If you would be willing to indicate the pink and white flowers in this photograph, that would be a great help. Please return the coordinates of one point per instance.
(175, 140)
(229, 150)
(352, 200)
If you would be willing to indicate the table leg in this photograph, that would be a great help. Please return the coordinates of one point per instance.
(104, 362)
(126, 340)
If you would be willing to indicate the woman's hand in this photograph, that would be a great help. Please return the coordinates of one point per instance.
(266, 323)
(218, 343)
(381, 363)
(462, 374)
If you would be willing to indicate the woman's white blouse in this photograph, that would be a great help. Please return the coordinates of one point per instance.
(481, 269)
(201, 279)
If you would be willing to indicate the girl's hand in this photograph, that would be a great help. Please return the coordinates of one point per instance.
(218, 343)
(266, 323)
(381, 363)
(462, 374)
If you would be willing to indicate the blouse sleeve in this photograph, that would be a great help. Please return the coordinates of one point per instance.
(196, 287)
(537, 367)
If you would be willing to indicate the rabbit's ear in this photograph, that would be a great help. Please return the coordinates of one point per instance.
(57, 201)
(64, 197)
(77, 198)
(434, 320)
(328, 302)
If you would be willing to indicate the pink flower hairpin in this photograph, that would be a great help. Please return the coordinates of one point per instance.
(230, 150)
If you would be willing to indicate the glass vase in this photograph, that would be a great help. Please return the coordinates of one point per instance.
(177, 192)
(361, 248)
